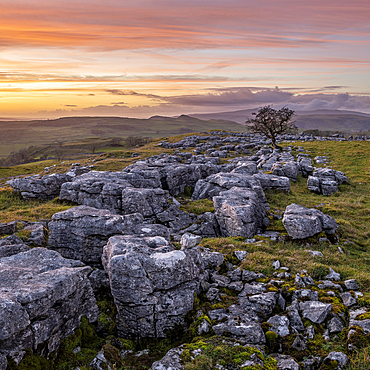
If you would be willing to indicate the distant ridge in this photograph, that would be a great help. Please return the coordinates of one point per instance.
(322, 119)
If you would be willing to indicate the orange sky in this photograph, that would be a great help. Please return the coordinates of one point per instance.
(140, 58)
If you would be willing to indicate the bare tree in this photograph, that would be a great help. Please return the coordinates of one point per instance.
(272, 122)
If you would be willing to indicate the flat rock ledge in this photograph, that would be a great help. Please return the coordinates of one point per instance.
(43, 297)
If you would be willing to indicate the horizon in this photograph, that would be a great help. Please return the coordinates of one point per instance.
(62, 58)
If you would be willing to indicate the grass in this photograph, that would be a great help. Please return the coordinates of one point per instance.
(197, 206)
(14, 208)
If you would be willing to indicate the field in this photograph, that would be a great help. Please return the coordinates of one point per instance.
(16, 135)
(350, 207)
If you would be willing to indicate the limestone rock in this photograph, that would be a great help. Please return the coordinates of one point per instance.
(148, 202)
(81, 232)
(273, 182)
(153, 285)
(239, 212)
(39, 187)
(280, 325)
(301, 222)
(43, 297)
(315, 311)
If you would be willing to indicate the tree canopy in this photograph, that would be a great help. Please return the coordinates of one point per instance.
(271, 122)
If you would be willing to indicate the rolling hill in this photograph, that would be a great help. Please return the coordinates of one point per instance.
(326, 120)
(15, 135)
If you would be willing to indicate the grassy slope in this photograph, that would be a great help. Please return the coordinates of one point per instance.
(15, 135)
(350, 206)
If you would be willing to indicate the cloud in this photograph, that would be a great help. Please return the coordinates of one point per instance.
(70, 105)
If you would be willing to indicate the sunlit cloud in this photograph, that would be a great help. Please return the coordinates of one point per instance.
(182, 56)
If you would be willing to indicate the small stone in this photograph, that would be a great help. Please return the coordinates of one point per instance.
(347, 299)
(240, 255)
(276, 265)
(340, 357)
(314, 253)
(280, 325)
(213, 294)
(340, 250)
(351, 284)
(335, 325)
(326, 335)
(298, 281)
(310, 332)
(204, 327)
(330, 293)
(299, 343)
(189, 240)
(333, 275)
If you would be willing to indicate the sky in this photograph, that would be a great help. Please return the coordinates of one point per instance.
(142, 58)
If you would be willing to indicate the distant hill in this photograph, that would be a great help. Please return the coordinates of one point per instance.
(323, 119)
(15, 135)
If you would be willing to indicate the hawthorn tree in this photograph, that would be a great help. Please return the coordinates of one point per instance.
(271, 122)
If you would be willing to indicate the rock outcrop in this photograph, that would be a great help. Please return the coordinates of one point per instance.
(239, 212)
(153, 285)
(81, 232)
(43, 297)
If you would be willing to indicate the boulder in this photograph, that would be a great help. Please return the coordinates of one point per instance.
(247, 332)
(176, 178)
(43, 297)
(12, 245)
(301, 222)
(280, 325)
(39, 187)
(8, 228)
(171, 361)
(341, 358)
(153, 284)
(174, 218)
(273, 182)
(214, 184)
(81, 232)
(315, 311)
(103, 189)
(148, 202)
(240, 212)
(326, 181)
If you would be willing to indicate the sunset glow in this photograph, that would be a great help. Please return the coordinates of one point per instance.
(141, 58)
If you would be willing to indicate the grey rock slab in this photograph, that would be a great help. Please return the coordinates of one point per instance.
(43, 297)
(148, 202)
(171, 361)
(273, 182)
(285, 362)
(340, 357)
(335, 325)
(239, 212)
(81, 232)
(332, 275)
(174, 218)
(295, 318)
(9, 250)
(301, 222)
(214, 184)
(347, 299)
(351, 284)
(240, 255)
(280, 325)
(39, 187)
(247, 333)
(189, 241)
(315, 311)
(212, 260)
(8, 228)
(153, 285)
